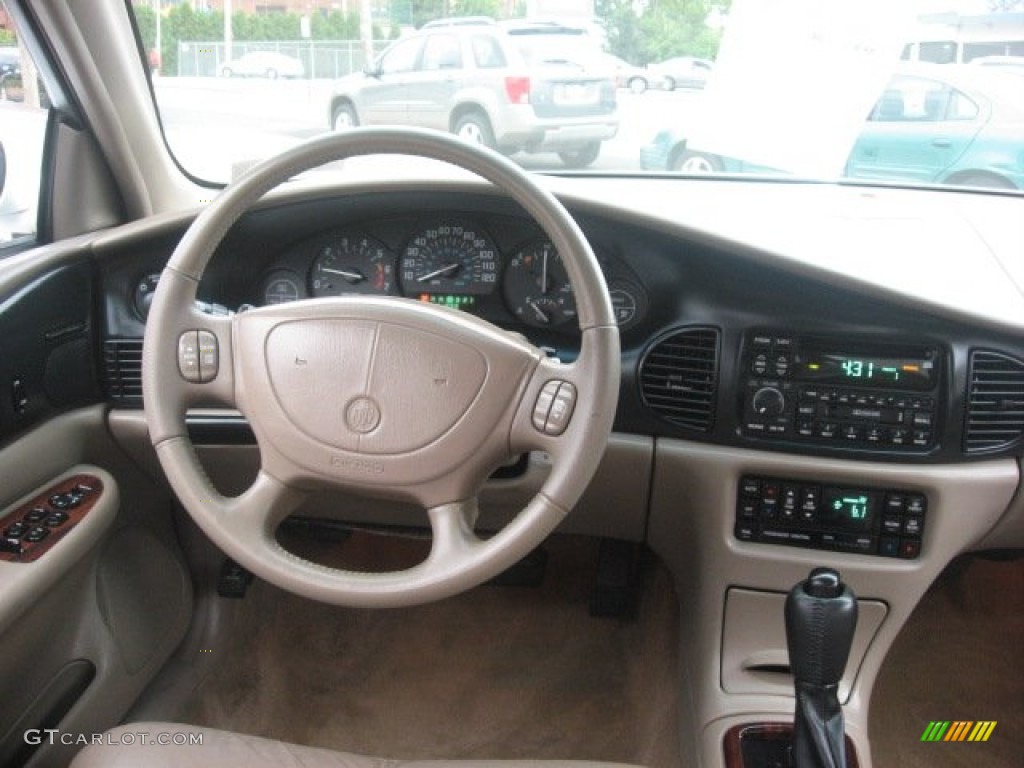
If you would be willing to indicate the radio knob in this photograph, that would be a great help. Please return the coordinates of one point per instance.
(768, 401)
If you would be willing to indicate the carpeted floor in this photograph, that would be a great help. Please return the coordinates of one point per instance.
(525, 672)
(499, 672)
(960, 657)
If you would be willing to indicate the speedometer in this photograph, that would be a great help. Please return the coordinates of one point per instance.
(447, 262)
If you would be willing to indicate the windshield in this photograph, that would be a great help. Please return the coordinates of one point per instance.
(866, 90)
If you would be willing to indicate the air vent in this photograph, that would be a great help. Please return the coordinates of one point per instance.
(123, 371)
(995, 402)
(679, 377)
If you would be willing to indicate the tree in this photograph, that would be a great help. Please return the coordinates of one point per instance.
(621, 25)
(661, 29)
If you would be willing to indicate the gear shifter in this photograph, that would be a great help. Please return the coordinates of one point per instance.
(821, 615)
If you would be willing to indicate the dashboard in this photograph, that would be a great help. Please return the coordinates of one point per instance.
(719, 344)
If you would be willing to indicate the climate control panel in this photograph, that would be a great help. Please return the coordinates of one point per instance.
(886, 522)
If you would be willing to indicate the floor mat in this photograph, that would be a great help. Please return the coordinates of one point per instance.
(959, 658)
(498, 672)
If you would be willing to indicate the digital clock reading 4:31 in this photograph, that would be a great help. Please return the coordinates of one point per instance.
(913, 372)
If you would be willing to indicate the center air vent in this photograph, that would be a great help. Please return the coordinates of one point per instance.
(122, 364)
(995, 402)
(679, 377)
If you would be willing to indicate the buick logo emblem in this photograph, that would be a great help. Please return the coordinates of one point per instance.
(362, 415)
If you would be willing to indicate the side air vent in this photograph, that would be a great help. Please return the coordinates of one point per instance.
(995, 402)
(679, 377)
(122, 365)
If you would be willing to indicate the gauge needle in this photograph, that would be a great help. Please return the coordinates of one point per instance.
(541, 314)
(351, 275)
(544, 274)
(444, 271)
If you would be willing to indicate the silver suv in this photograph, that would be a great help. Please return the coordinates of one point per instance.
(510, 87)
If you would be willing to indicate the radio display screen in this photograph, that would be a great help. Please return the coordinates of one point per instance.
(850, 509)
(830, 366)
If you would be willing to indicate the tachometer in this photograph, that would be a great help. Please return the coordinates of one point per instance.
(537, 288)
(352, 264)
(449, 261)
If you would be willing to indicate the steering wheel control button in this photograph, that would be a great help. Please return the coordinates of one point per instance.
(561, 409)
(543, 406)
(188, 356)
(208, 357)
(198, 359)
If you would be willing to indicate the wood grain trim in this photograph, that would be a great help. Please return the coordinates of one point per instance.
(32, 551)
(782, 732)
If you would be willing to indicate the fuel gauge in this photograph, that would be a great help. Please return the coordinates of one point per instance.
(537, 287)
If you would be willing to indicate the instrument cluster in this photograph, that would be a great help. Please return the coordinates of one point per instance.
(519, 276)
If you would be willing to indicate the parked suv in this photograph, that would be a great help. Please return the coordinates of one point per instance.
(508, 87)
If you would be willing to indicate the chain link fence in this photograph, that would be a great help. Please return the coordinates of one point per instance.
(320, 58)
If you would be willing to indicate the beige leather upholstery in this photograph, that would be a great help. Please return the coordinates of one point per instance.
(125, 747)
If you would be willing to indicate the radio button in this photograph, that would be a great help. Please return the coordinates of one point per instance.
(922, 419)
(783, 342)
(805, 428)
(900, 436)
(782, 365)
(876, 435)
(747, 510)
(922, 437)
(828, 430)
(761, 341)
(892, 524)
(759, 365)
(913, 526)
(809, 393)
(853, 432)
(778, 428)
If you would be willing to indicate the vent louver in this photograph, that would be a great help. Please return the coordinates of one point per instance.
(995, 402)
(679, 377)
(123, 371)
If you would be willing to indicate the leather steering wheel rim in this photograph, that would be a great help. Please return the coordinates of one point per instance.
(496, 395)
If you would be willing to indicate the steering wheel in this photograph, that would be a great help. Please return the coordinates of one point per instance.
(381, 396)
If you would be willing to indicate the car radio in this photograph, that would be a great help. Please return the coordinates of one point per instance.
(875, 395)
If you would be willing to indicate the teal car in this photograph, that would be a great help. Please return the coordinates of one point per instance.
(947, 125)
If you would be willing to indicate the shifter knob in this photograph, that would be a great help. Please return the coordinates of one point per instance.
(821, 616)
